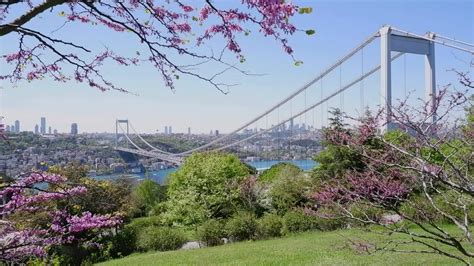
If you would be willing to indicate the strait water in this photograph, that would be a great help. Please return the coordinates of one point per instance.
(160, 176)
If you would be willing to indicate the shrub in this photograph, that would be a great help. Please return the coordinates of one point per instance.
(327, 219)
(160, 238)
(297, 221)
(278, 170)
(242, 226)
(289, 191)
(270, 225)
(211, 233)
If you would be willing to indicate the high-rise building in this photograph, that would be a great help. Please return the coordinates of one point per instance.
(189, 130)
(17, 126)
(166, 130)
(7, 129)
(55, 132)
(36, 129)
(170, 130)
(43, 125)
(74, 129)
(49, 130)
(217, 132)
(12, 128)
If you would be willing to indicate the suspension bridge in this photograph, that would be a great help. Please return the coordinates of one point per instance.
(391, 39)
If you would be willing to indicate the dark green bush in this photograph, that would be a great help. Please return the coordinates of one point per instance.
(211, 233)
(270, 225)
(242, 226)
(298, 221)
(289, 191)
(160, 238)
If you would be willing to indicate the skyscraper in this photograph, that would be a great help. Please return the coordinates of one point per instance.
(170, 130)
(74, 129)
(17, 126)
(166, 130)
(55, 132)
(7, 129)
(189, 130)
(36, 129)
(43, 125)
(49, 130)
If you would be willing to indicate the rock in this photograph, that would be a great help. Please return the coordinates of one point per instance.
(390, 219)
(191, 245)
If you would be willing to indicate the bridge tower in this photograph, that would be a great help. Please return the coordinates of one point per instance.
(118, 124)
(391, 40)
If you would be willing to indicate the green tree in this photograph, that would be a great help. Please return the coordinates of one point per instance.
(206, 186)
(147, 194)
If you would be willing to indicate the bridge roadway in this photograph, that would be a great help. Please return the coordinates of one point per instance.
(163, 157)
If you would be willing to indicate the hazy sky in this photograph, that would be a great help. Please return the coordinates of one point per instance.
(339, 25)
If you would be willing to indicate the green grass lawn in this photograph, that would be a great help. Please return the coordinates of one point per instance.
(312, 248)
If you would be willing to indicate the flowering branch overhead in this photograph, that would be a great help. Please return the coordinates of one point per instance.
(163, 30)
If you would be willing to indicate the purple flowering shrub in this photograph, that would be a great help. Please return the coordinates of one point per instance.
(35, 194)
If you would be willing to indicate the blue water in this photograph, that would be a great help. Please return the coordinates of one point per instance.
(161, 175)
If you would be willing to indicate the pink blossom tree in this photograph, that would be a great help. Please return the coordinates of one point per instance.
(421, 174)
(161, 28)
(32, 194)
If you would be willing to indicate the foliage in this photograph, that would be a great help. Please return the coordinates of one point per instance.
(206, 186)
(277, 171)
(297, 221)
(242, 226)
(211, 233)
(254, 196)
(102, 197)
(424, 176)
(147, 194)
(270, 225)
(289, 191)
(161, 30)
(28, 195)
(160, 238)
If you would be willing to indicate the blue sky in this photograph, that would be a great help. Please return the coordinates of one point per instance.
(339, 26)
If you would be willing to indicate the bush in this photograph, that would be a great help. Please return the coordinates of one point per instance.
(160, 238)
(278, 170)
(270, 225)
(327, 219)
(211, 233)
(242, 226)
(289, 191)
(297, 221)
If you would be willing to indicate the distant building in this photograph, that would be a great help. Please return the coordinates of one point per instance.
(36, 129)
(217, 132)
(17, 126)
(49, 130)
(74, 130)
(12, 128)
(170, 130)
(166, 130)
(7, 129)
(55, 132)
(189, 130)
(43, 125)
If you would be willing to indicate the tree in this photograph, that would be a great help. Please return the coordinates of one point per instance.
(206, 186)
(147, 194)
(423, 176)
(162, 30)
(335, 159)
(28, 195)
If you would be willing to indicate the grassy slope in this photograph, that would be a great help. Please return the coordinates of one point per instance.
(326, 248)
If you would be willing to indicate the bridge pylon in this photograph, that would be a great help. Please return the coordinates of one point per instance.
(118, 124)
(392, 39)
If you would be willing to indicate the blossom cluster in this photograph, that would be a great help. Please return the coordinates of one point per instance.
(34, 193)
